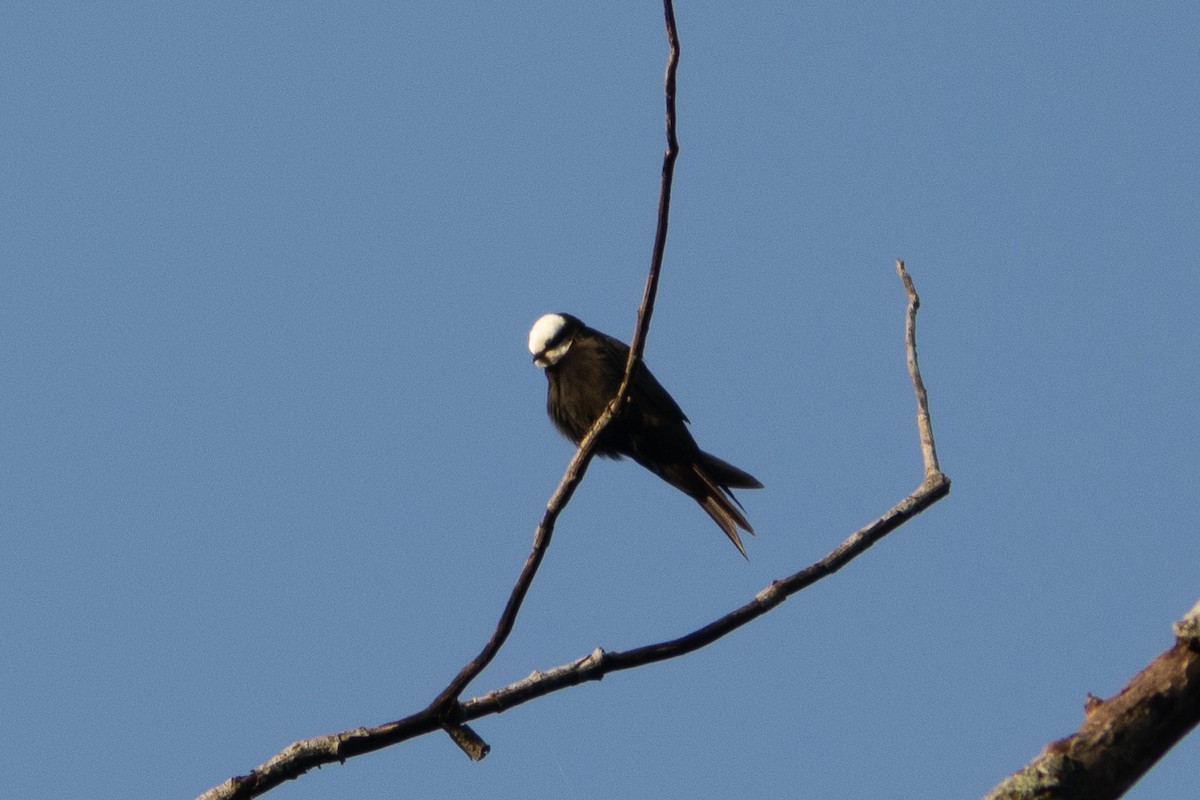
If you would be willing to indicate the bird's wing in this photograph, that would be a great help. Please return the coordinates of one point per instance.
(647, 393)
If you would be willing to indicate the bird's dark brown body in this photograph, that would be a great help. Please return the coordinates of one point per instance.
(584, 368)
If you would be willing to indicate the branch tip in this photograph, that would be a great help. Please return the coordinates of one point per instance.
(1188, 628)
(924, 423)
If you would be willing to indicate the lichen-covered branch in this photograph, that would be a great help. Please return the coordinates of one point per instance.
(1122, 737)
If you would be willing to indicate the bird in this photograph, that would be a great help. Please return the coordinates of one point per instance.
(584, 369)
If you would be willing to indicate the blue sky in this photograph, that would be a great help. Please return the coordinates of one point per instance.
(273, 450)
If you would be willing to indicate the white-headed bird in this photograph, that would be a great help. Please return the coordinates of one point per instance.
(584, 368)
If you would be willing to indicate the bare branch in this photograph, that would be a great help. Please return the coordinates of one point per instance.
(445, 705)
(1123, 737)
(924, 426)
(934, 487)
(446, 711)
(304, 755)
(637, 344)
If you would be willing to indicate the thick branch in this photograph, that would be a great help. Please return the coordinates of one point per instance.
(1123, 737)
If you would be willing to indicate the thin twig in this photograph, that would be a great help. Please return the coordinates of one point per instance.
(638, 343)
(445, 711)
(445, 705)
(924, 426)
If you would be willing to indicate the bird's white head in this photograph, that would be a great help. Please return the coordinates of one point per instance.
(549, 340)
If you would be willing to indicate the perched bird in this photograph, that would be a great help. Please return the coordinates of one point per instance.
(584, 368)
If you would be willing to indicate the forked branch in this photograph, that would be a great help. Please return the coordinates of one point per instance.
(447, 712)
(934, 487)
(337, 747)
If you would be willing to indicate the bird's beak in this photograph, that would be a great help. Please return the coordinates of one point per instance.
(549, 356)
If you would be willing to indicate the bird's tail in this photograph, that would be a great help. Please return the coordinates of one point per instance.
(727, 475)
(717, 476)
(707, 480)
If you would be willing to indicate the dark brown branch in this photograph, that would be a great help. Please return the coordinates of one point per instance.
(304, 755)
(934, 487)
(1123, 737)
(637, 344)
(445, 711)
(445, 705)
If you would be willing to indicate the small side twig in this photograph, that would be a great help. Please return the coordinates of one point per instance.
(924, 425)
